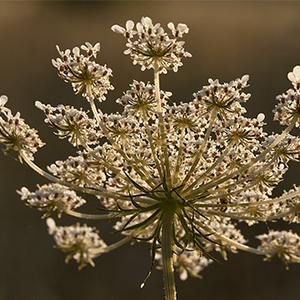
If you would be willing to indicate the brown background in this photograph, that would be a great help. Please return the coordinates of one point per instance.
(227, 40)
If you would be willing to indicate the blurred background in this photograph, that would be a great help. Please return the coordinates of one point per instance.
(227, 40)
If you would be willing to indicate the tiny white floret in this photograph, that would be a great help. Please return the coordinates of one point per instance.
(51, 225)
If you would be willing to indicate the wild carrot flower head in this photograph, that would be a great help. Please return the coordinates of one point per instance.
(179, 176)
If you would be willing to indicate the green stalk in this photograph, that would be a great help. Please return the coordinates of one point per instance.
(167, 256)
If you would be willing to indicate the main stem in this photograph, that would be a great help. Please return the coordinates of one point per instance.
(167, 256)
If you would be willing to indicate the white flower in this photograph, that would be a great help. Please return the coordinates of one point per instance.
(90, 49)
(177, 175)
(128, 32)
(294, 76)
(282, 244)
(85, 75)
(50, 198)
(150, 47)
(3, 100)
(76, 240)
(16, 135)
(180, 30)
(71, 123)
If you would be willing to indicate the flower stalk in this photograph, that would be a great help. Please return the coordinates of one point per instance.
(167, 255)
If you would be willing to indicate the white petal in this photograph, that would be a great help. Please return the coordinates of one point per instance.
(139, 27)
(76, 51)
(296, 72)
(97, 47)
(171, 26)
(160, 31)
(3, 100)
(118, 29)
(147, 22)
(129, 25)
(245, 78)
(291, 77)
(260, 117)
(182, 28)
(183, 275)
(51, 225)
(58, 50)
(39, 105)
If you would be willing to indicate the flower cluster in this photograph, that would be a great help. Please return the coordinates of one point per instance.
(140, 99)
(227, 97)
(79, 241)
(77, 170)
(178, 176)
(50, 198)
(15, 134)
(151, 47)
(71, 123)
(85, 75)
(284, 244)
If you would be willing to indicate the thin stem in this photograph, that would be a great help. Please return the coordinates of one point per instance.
(199, 154)
(96, 192)
(138, 166)
(52, 178)
(115, 170)
(152, 145)
(264, 202)
(239, 216)
(261, 156)
(234, 184)
(111, 247)
(162, 126)
(229, 241)
(89, 216)
(179, 157)
(217, 162)
(167, 256)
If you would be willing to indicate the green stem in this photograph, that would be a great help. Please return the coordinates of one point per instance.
(167, 256)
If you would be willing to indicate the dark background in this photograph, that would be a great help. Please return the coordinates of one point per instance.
(227, 40)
